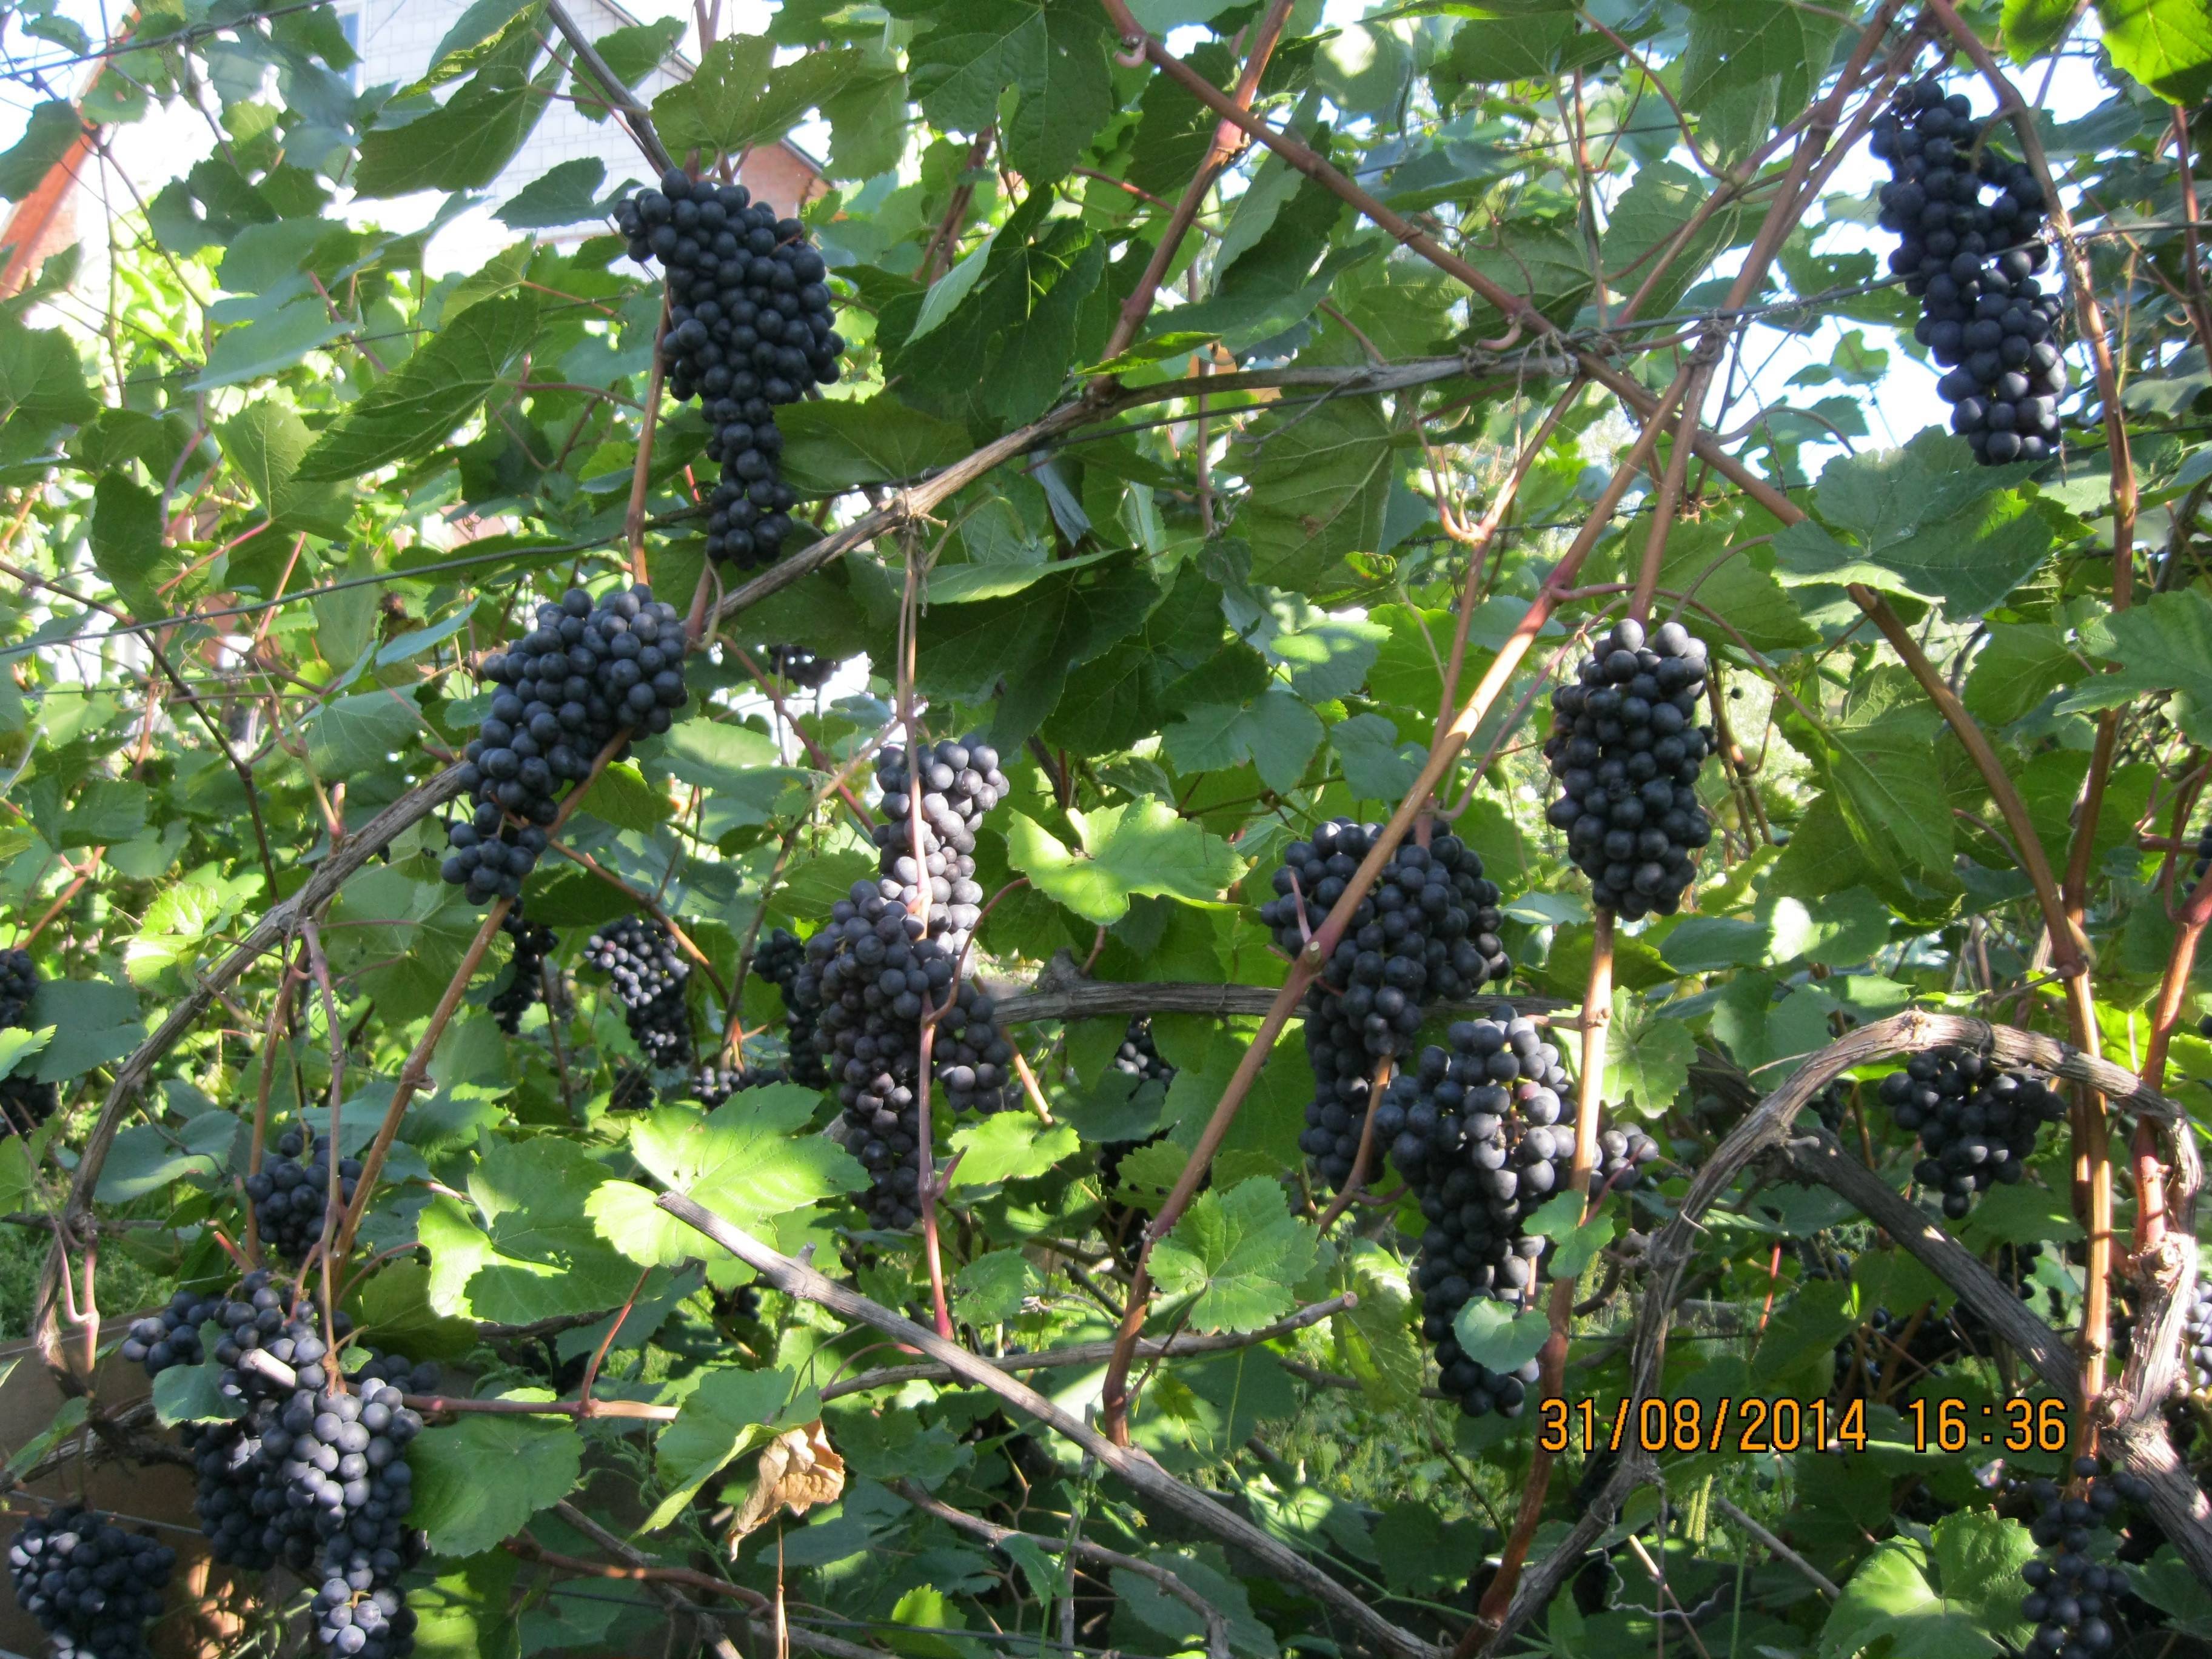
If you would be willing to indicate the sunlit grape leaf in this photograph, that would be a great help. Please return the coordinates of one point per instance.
(1238, 1254)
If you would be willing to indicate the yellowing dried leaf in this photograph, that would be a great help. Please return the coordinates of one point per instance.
(798, 1469)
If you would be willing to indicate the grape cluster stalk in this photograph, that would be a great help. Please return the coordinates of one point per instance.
(1972, 261)
(587, 673)
(888, 958)
(25, 1103)
(749, 328)
(1426, 932)
(1627, 750)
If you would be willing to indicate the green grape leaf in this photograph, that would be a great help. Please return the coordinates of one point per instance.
(1238, 1255)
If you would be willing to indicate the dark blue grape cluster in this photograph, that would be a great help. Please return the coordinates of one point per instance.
(800, 666)
(1427, 931)
(290, 1195)
(1137, 1058)
(2197, 1339)
(313, 1474)
(781, 960)
(1484, 1134)
(1627, 749)
(749, 328)
(25, 1103)
(638, 955)
(93, 1586)
(710, 1085)
(1972, 261)
(875, 969)
(1977, 1122)
(2074, 1599)
(587, 674)
(524, 987)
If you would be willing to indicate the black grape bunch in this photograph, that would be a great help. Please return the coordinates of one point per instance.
(1976, 1121)
(25, 1103)
(2074, 1599)
(587, 673)
(780, 961)
(877, 969)
(2196, 1338)
(1484, 1134)
(1627, 749)
(313, 1474)
(1136, 1058)
(524, 987)
(710, 1085)
(800, 666)
(1427, 931)
(639, 956)
(290, 1195)
(93, 1586)
(749, 329)
(1984, 315)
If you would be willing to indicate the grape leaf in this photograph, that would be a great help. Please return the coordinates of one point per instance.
(481, 1479)
(1238, 1254)
(1139, 847)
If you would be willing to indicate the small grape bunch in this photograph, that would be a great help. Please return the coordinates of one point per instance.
(710, 1085)
(291, 1192)
(25, 1103)
(524, 988)
(1985, 317)
(1137, 1058)
(1977, 1122)
(749, 328)
(586, 674)
(1626, 751)
(2196, 1342)
(781, 961)
(800, 666)
(2072, 1599)
(641, 957)
(93, 1586)
(172, 1336)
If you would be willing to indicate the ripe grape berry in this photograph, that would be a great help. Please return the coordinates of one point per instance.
(290, 1195)
(1626, 751)
(25, 1103)
(876, 968)
(1984, 315)
(92, 1586)
(2074, 1600)
(524, 986)
(1482, 1134)
(748, 328)
(1426, 932)
(640, 955)
(1977, 1122)
(586, 674)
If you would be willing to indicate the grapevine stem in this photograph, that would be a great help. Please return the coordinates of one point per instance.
(633, 521)
(1358, 1178)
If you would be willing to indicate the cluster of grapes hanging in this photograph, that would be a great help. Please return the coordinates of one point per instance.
(1972, 262)
(749, 329)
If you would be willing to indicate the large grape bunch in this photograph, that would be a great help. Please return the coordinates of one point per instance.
(25, 1103)
(638, 955)
(1426, 932)
(1482, 1133)
(1627, 749)
(524, 986)
(92, 1586)
(887, 958)
(313, 1474)
(290, 1195)
(1984, 315)
(1976, 1121)
(2074, 1599)
(749, 329)
(586, 674)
